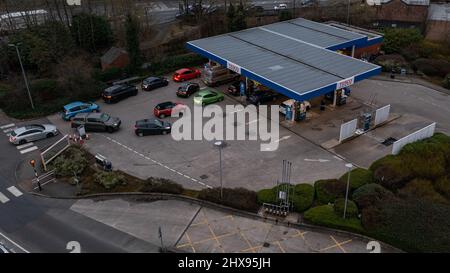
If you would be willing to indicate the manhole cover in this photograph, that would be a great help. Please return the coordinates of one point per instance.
(266, 244)
(203, 176)
(388, 141)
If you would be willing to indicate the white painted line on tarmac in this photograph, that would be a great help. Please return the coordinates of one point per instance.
(7, 126)
(8, 130)
(28, 150)
(14, 243)
(3, 198)
(14, 191)
(25, 145)
(283, 138)
(316, 160)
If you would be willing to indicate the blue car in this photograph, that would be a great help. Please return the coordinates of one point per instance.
(71, 109)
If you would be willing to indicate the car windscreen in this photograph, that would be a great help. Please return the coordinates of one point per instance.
(104, 117)
(159, 123)
(13, 134)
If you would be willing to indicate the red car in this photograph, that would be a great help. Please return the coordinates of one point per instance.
(165, 109)
(186, 74)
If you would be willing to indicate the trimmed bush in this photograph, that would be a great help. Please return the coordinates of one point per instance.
(395, 39)
(328, 190)
(358, 177)
(423, 189)
(391, 172)
(45, 89)
(442, 185)
(369, 194)
(108, 75)
(109, 180)
(432, 67)
(446, 81)
(303, 197)
(352, 209)
(325, 216)
(72, 161)
(238, 198)
(161, 185)
(267, 196)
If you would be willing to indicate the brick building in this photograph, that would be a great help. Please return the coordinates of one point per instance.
(400, 13)
(115, 57)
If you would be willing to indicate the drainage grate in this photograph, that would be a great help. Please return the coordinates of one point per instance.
(389, 141)
(203, 176)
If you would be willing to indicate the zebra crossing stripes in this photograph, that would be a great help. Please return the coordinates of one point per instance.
(3, 198)
(12, 190)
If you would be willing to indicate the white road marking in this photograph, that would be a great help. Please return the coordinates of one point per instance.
(28, 150)
(14, 243)
(8, 130)
(316, 160)
(25, 145)
(14, 191)
(283, 138)
(3, 198)
(7, 126)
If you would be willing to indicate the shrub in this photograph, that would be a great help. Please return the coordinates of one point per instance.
(392, 62)
(71, 161)
(328, 190)
(432, 67)
(391, 172)
(442, 185)
(446, 81)
(358, 177)
(396, 39)
(238, 198)
(369, 194)
(45, 89)
(108, 75)
(303, 197)
(267, 196)
(325, 216)
(162, 185)
(109, 180)
(423, 189)
(352, 209)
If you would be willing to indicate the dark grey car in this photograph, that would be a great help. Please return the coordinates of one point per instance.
(96, 122)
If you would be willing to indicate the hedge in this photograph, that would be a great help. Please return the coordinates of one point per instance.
(325, 216)
(72, 161)
(109, 180)
(423, 189)
(328, 190)
(267, 196)
(302, 196)
(446, 81)
(238, 198)
(358, 177)
(442, 185)
(162, 185)
(369, 194)
(352, 209)
(109, 74)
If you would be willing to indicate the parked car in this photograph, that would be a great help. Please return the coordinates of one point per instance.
(208, 96)
(118, 92)
(165, 109)
(151, 83)
(280, 6)
(32, 132)
(187, 89)
(71, 109)
(100, 122)
(290, 103)
(152, 127)
(262, 97)
(3, 249)
(235, 88)
(186, 74)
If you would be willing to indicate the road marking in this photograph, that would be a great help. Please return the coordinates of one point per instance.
(28, 150)
(3, 198)
(14, 243)
(338, 158)
(14, 191)
(7, 126)
(283, 138)
(25, 145)
(316, 160)
(8, 130)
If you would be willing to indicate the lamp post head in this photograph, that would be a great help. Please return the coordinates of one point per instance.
(349, 165)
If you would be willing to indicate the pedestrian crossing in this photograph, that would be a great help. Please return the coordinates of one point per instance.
(14, 193)
(24, 148)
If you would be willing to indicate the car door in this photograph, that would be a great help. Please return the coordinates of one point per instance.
(93, 124)
(188, 74)
(152, 129)
(34, 134)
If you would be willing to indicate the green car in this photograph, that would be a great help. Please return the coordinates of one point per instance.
(208, 96)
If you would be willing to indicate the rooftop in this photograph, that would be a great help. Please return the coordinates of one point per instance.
(439, 12)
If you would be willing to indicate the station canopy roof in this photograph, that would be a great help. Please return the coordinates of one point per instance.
(295, 57)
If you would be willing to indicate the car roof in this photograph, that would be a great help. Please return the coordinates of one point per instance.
(73, 104)
(206, 92)
(182, 70)
(115, 87)
(165, 103)
(27, 127)
(152, 78)
(147, 120)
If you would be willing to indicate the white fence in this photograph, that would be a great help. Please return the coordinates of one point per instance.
(54, 150)
(425, 132)
(348, 129)
(382, 114)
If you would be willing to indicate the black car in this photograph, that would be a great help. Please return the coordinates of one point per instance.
(235, 88)
(187, 89)
(261, 97)
(152, 126)
(151, 83)
(118, 92)
(99, 122)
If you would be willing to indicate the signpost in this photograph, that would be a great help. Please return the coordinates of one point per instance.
(33, 164)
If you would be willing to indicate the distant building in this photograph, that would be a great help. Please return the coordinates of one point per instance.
(438, 25)
(18, 20)
(115, 57)
(400, 13)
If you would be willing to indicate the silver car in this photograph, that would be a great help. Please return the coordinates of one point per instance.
(32, 132)
(3, 249)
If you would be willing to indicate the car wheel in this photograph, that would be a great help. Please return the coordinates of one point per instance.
(162, 116)
(140, 133)
(164, 132)
(22, 141)
(180, 115)
(96, 111)
(49, 135)
(110, 129)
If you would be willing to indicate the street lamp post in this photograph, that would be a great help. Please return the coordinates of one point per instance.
(348, 13)
(23, 73)
(349, 166)
(219, 144)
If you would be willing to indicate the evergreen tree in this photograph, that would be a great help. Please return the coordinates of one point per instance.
(91, 32)
(240, 22)
(231, 15)
(132, 40)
